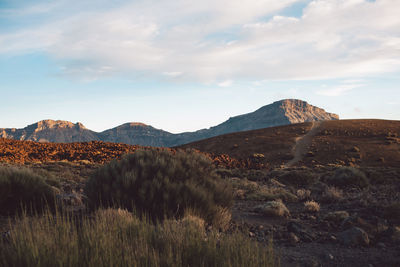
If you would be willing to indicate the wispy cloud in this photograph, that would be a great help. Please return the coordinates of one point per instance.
(226, 83)
(332, 39)
(342, 89)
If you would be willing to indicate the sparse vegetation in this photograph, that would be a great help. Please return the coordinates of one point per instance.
(273, 208)
(332, 194)
(311, 206)
(21, 188)
(303, 193)
(348, 176)
(118, 238)
(161, 184)
(337, 216)
(249, 190)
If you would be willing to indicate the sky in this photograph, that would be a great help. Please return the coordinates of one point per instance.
(182, 65)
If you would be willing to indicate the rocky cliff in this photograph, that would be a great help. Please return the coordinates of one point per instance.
(282, 112)
(51, 131)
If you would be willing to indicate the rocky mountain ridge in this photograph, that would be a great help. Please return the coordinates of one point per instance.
(283, 112)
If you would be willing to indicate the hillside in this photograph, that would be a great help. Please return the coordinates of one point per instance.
(343, 142)
(282, 112)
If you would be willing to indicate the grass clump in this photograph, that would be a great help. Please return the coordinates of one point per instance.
(118, 238)
(161, 184)
(249, 190)
(21, 188)
(337, 216)
(273, 208)
(348, 176)
(311, 206)
(332, 194)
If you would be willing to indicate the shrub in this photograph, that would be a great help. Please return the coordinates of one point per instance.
(161, 184)
(348, 176)
(332, 194)
(298, 178)
(21, 188)
(303, 193)
(118, 238)
(273, 208)
(337, 216)
(311, 206)
(249, 190)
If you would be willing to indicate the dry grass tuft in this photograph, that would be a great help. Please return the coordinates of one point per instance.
(118, 238)
(273, 208)
(303, 194)
(311, 206)
(332, 194)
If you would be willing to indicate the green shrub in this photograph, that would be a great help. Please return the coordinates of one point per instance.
(161, 184)
(117, 238)
(249, 190)
(348, 176)
(21, 188)
(298, 178)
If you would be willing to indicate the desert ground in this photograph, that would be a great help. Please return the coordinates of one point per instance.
(326, 193)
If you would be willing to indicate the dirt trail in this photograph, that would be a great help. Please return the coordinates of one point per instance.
(302, 144)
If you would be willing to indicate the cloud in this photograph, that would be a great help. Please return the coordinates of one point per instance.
(344, 88)
(226, 83)
(211, 41)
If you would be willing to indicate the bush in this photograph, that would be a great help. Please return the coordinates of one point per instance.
(332, 194)
(311, 206)
(118, 238)
(249, 190)
(298, 178)
(348, 176)
(21, 188)
(161, 184)
(273, 208)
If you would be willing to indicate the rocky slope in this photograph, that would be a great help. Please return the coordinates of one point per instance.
(136, 133)
(344, 142)
(51, 131)
(282, 112)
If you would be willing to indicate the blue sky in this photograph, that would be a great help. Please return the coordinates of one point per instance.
(185, 65)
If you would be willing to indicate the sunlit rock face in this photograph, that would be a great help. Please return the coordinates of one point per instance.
(51, 131)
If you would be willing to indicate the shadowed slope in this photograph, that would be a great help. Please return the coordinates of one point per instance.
(344, 142)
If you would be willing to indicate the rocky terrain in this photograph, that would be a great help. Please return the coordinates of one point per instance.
(94, 152)
(282, 112)
(326, 193)
(343, 142)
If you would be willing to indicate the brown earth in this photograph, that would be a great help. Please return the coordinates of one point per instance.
(342, 142)
(14, 151)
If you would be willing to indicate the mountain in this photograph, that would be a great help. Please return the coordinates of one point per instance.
(51, 131)
(284, 112)
(136, 133)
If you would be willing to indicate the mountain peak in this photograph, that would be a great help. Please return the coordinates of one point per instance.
(55, 124)
(133, 124)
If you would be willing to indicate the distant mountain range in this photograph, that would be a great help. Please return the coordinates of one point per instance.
(283, 112)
